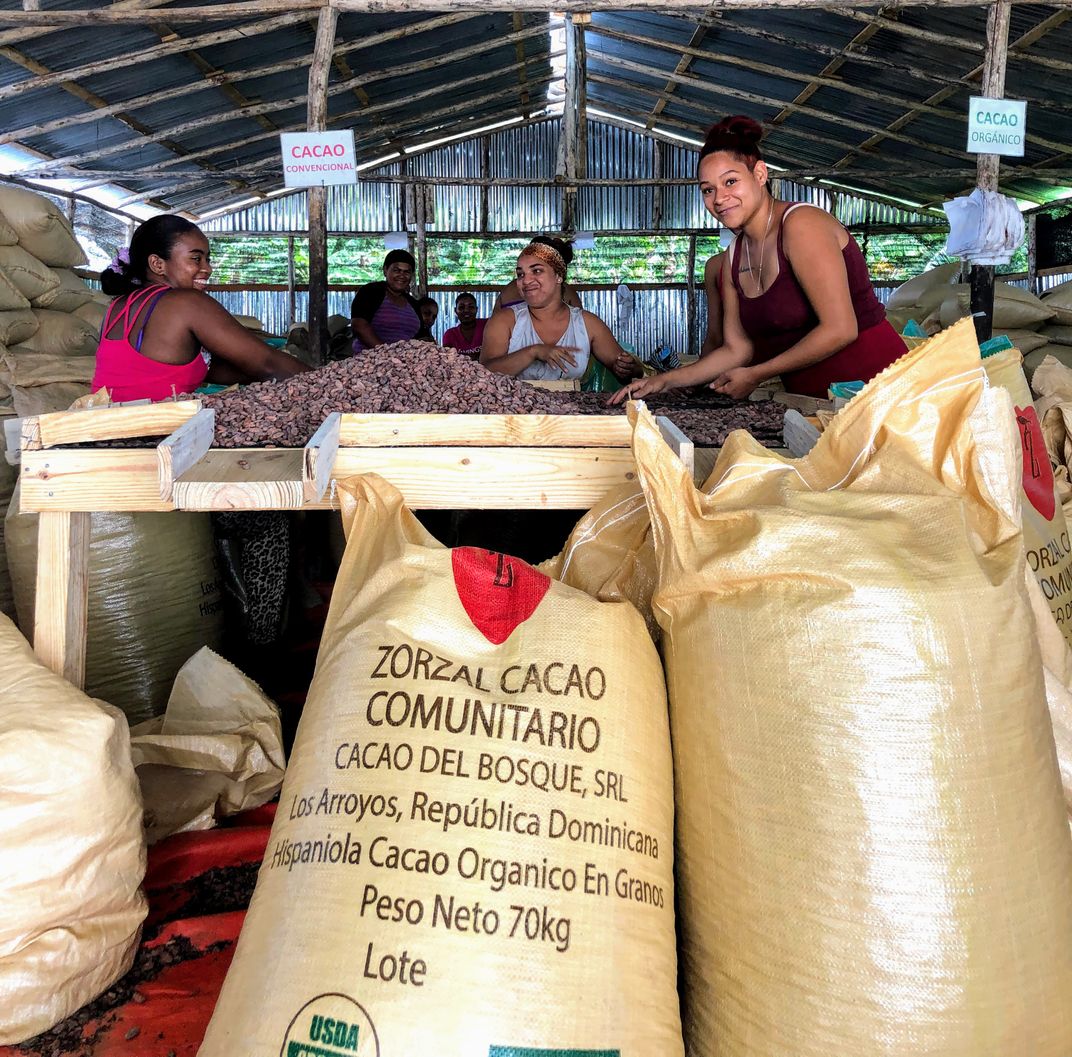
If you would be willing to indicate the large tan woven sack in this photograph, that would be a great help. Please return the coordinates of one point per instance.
(1057, 333)
(17, 326)
(217, 749)
(72, 293)
(30, 276)
(873, 853)
(8, 235)
(472, 854)
(93, 313)
(1059, 301)
(925, 292)
(1027, 341)
(61, 334)
(610, 554)
(23, 366)
(1013, 307)
(73, 851)
(11, 297)
(42, 227)
(41, 399)
(1058, 353)
(8, 476)
(1046, 534)
(154, 600)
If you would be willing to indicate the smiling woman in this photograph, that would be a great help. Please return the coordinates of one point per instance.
(543, 337)
(163, 335)
(797, 299)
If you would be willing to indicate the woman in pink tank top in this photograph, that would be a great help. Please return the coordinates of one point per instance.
(797, 301)
(163, 335)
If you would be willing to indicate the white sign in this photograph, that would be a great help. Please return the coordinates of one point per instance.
(997, 126)
(314, 159)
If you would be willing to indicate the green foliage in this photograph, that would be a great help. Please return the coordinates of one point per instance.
(489, 262)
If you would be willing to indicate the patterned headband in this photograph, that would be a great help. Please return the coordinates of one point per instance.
(548, 254)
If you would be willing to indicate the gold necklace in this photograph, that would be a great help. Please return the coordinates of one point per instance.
(762, 251)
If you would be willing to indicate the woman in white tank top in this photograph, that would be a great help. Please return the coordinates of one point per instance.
(544, 338)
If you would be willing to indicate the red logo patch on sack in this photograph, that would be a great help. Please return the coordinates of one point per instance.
(497, 592)
(1038, 473)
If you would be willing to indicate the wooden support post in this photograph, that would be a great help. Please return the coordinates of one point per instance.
(485, 174)
(656, 190)
(292, 295)
(566, 169)
(993, 87)
(1032, 254)
(579, 22)
(694, 348)
(62, 593)
(420, 209)
(319, 72)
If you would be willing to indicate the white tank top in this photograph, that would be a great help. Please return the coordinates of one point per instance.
(524, 334)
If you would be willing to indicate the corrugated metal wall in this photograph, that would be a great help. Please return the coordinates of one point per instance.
(531, 153)
(611, 152)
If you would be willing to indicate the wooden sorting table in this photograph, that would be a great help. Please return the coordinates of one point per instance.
(494, 462)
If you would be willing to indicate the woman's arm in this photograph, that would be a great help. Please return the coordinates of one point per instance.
(606, 349)
(713, 338)
(734, 354)
(570, 296)
(363, 307)
(219, 332)
(494, 356)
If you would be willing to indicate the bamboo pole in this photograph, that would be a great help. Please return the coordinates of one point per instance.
(997, 43)
(1032, 253)
(319, 72)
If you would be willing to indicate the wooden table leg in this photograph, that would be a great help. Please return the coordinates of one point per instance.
(62, 593)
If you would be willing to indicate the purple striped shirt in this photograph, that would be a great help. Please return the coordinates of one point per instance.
(392, 323)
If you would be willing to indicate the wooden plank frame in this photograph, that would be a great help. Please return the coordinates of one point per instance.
(437, 462)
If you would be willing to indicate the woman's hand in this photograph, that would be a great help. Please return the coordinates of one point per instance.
(644, 387)
(624, 366)
(736, 383)
(560, 356)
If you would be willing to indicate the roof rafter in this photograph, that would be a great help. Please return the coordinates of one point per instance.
(284, 104)
(182, 91)
(966, 80)
(687, 54)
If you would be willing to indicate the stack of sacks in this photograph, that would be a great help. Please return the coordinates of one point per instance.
(921, 296)
(1058, 330)
(49, 318)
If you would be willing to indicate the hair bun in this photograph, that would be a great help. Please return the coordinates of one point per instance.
(738, 134)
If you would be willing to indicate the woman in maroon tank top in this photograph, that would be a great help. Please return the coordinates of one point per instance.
(797, 300)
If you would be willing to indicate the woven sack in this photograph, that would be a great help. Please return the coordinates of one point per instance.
(61, 334)
(74, 855)
(924, 292)
(93, 313)
(42, 227)
(72, 293)
(1046, 535)
(1057, 333)
(584, 963)
(154, 600)
(32, 277)
(41, 399)
(873, 852)
(1032, 361)
(1013, 307)
(8, 235)
(11, 297)
(1059, 301)
(1026, 341)
(17, 327)
(23, 366)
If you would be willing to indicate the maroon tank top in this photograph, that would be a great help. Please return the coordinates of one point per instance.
(778, 318)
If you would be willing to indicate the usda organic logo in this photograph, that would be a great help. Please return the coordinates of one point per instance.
(331, 1025)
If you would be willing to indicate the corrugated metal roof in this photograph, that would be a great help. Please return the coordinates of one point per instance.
(874, 98)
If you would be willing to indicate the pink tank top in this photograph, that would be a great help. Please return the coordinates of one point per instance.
(125, 372)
